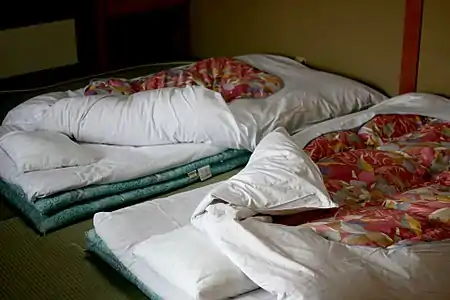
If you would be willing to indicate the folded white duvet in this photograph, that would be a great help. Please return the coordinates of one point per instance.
(196, 114)
(154, 130)
(113, 164)
(155, 117)
(44, 150)
(295, 263)
(279, 177)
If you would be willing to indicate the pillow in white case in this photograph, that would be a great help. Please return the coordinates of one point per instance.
(190, 261)
(44, 150)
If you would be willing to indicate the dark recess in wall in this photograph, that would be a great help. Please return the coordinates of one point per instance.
(141, 38)
(15, 14)
(149, 37)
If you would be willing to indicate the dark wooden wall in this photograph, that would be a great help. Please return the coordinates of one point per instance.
(110, 34)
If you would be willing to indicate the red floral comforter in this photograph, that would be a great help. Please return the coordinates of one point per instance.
(391, 178)
(230, 77)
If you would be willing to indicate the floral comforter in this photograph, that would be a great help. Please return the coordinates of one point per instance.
(391, 179)
(230, 77)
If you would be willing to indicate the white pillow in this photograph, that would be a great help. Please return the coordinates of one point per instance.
(279, 178)
(189, 260)
(44, 150)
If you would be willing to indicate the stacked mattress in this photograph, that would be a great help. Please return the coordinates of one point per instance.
(66, 155)
(67, 207)
(368, 197)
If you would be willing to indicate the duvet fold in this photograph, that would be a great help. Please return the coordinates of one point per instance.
(296, 263)
(147, 118)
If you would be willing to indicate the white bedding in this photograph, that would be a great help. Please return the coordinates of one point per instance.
(160, 121)
(123, 229)
(115, 164)
(44, 150)
(291, 263)
(294, 263)
(195, 114)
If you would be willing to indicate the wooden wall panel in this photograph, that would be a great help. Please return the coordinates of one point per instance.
(434, 63)
(359, 39)
(412, 28)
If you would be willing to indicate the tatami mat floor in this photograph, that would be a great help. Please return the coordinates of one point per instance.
(5, 211)
(56, 266)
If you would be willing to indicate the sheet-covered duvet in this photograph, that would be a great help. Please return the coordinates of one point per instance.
(133, 128)
(389, 237)
(267, 91)
(361, 213)
(113, 164)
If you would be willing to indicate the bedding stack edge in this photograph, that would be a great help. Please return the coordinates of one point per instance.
(96, 246)
(65, 208)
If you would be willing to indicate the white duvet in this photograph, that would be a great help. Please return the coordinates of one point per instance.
(130, 136)
(294, 263)
(195, 114)
(113, 164)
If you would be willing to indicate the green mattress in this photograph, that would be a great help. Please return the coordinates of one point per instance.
(95, 245)
(66, 208)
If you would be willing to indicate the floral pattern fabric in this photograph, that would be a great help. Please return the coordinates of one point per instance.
(358, 176)
(230, 77)
(384, 128)
(391, 179)
(332, 143)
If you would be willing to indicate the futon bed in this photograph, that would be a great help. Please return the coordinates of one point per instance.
(65, 155)
(357, 207)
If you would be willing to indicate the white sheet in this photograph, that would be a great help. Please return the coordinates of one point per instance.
(194, 114)
(294, 263)
(116, 163)
(44, 150)
(279, 176)
(123, 229)
(411, 103)
(290, 262)
(308, 96)
(156, 117)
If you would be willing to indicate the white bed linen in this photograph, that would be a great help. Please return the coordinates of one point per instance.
(192, 114)
(412, 103)
(308, 96)
(116, 163)
(279, 176)
(123, 229)
(292, 262)
(186, 258)
(44, 150)
(295, 263)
